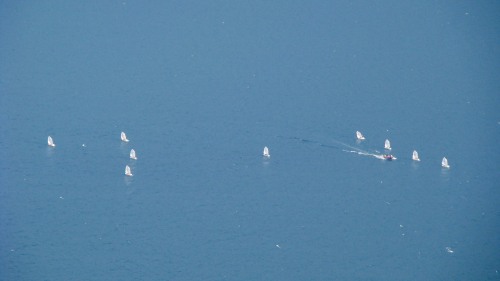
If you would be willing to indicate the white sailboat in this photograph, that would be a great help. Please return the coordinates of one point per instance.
(359, 135)
(128, 172)
(132, 154)
(444, 163)
(50, 142)
(124, 137)
(265, 153)
(415, 156)
(387, 145)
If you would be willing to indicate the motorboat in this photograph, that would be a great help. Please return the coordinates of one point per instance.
(389, 157)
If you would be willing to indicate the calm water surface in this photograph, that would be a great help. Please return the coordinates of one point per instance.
(200, 89)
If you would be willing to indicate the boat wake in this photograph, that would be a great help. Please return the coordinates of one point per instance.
(336, 144)
(364, 153)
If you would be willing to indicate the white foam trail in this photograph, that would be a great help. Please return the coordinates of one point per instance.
(340, 145)
(378, 156)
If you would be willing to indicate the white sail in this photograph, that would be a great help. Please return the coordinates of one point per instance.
(124, 137)
(359, 135)
(387, 145)
(128, 172)
(415, 156)
(266, 152)
(444, 163)
(50, 142)
(132, 154)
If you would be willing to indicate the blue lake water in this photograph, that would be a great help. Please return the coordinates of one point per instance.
(200, 89)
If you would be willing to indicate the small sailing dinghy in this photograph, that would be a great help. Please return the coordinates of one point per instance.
(124, 137)
(387, 145)
(132, 154)
(128, 172)
(265, 153)
(359, 135)
(50, 142)
(444, 163)
(415, 156)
